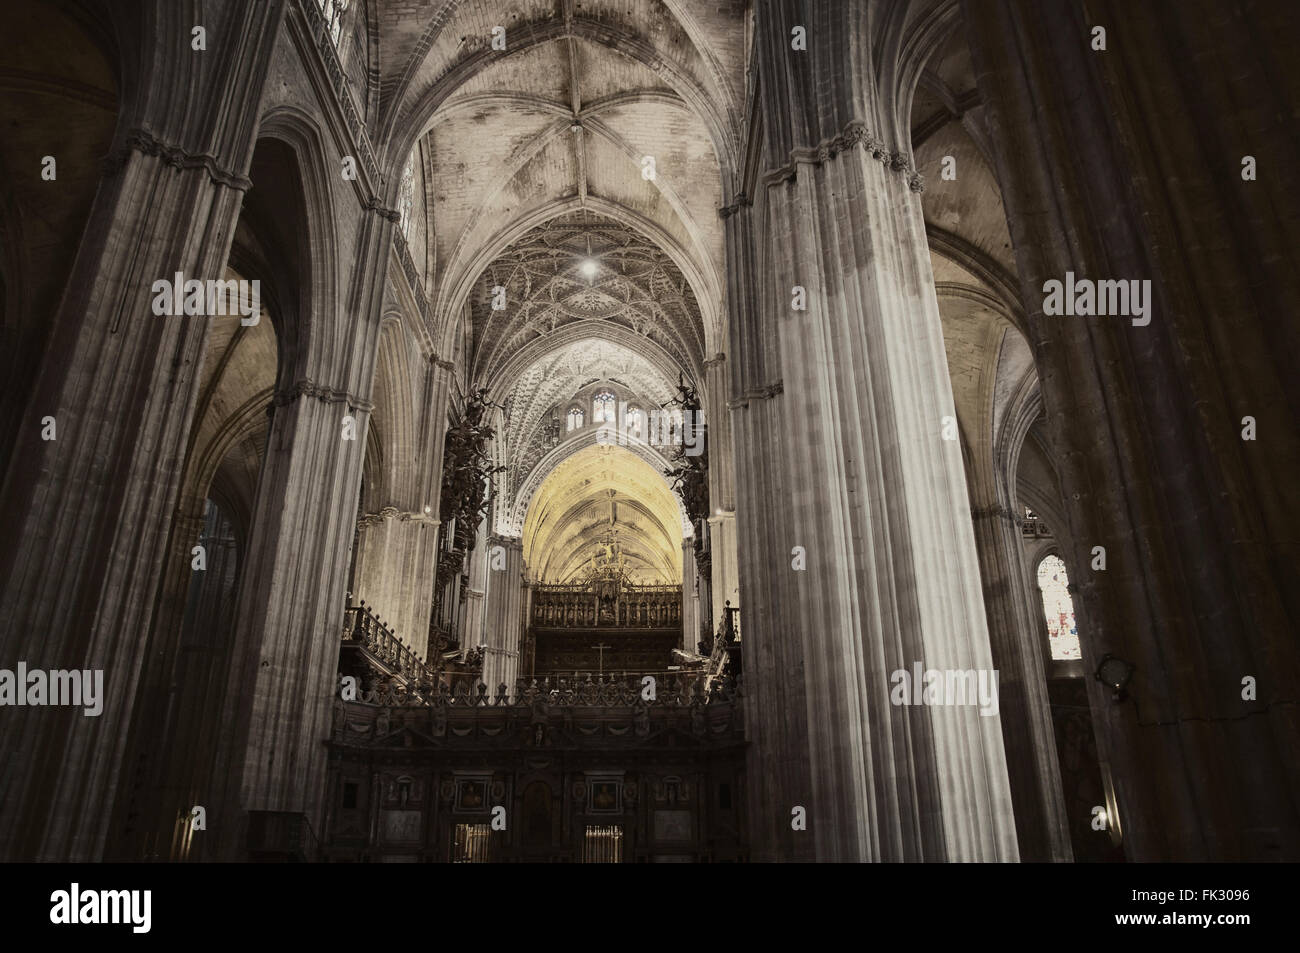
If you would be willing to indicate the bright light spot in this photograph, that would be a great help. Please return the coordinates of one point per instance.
(589, 268)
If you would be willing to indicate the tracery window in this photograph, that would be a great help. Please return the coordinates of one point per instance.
(636, 422)
(406, 196)
(1058, 608)
(602, 408)
(575, 418)
(333, 11)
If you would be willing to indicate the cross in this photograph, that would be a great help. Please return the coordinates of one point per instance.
(601, 647)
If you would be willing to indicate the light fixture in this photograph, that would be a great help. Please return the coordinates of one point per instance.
(1115, 672)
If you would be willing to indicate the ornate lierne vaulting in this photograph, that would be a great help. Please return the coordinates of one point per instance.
(604, 507)
(578, 300)
(547, 389)
(583, 268)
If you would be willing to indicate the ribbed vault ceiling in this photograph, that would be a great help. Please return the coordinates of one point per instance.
(632, 284)
(603, 502)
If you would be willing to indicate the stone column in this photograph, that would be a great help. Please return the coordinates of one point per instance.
(293, 589)
(1127, 165)
(397, 558)
(396, 561)
(504, 610)
(472, 608)
(1026, 713)
(91, 509)
(725, 575)
(861, 555)
(690, 597)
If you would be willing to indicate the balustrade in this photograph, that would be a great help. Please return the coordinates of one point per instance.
(652, 607)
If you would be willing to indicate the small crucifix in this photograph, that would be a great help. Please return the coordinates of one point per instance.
(601, 648)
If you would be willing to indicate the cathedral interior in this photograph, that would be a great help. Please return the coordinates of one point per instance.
(622, 431)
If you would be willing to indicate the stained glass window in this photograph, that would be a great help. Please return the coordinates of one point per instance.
(602, 408)
(1058, 608)
(575, 418)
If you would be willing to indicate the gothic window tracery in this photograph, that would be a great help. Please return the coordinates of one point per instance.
(333, 11)
(602, 407)
(575, 418)
(636, 422)
(1058, 608)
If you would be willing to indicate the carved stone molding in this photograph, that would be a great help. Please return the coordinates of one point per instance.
(392, 512)
(742, 201)
(717, 360)
(761, 393)
(855, 133)
(373, 204)
(144, 142)
(309, 388)
(996, 511)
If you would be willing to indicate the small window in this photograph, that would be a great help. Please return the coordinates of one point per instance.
(602, 408)
(333, 11)
(603, 844)
(1058, 608)
(575, 419)
(636, 423)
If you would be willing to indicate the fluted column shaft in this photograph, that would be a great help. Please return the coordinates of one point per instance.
(395, 565)
(294, 587)
(1127, 165)
(1026, 712)
(504, 611)
(690, 597)
(858, 559)
(92, 508)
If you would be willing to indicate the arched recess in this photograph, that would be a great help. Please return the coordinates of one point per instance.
(394, 417)
(395, 536)
(514, 515)
(603, 502)
(284, 241)
(291, 203)
(192, 637)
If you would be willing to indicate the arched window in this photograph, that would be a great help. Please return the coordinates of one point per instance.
(333, 11)
(636, 422)
(406, 196)
(575, 418)
(602, 408)
(1058, 608)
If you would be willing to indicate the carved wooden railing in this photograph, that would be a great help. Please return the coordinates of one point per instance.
(590, 714)
(363, 628)
(654, 607)
(670, 689)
